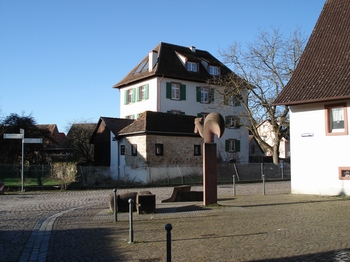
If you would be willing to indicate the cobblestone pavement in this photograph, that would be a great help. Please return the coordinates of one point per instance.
(77, 226)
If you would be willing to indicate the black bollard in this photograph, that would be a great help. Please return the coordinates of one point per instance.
(131, 231)
(115, 205)
(168, 228)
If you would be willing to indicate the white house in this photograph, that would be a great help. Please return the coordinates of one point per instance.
(172, 79)
(266, 133)
(318, 95)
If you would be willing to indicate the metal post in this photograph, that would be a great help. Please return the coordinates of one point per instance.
(22, 132)
(115, 205)
(234, 185)
(168, 228)
(131, 232)
(263, 179)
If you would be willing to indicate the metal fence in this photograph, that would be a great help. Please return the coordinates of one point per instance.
(102, 176)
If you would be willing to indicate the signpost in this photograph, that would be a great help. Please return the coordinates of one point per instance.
(24, 141)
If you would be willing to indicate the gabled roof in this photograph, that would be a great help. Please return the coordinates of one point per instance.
(85, 126)
(323, 72)
(169, 65)
(113, 124)
(162, 124)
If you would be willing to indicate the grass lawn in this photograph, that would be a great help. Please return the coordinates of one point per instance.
(31, 182)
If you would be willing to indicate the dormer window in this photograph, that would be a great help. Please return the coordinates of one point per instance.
(214, 70)
(192, 67)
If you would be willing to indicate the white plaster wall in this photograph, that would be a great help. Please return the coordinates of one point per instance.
(150, 175)
(138, 107)
(315, 156)
(158, 102)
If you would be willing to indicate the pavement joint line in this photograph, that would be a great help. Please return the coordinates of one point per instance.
(37, 245)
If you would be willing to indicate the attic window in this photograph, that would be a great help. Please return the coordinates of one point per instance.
(214, 70)
(192, 67)
(142, 67)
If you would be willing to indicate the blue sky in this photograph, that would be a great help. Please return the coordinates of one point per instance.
(60, 58)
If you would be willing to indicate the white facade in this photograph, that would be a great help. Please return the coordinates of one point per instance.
(266, 133)
(318, 156)
(157, 101)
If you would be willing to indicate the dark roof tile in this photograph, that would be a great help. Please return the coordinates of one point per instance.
(161, 123)
(323, 72)
(169, 65)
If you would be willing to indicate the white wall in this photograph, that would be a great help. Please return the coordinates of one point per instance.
(315, 156)
(158, 102)
(146, 105)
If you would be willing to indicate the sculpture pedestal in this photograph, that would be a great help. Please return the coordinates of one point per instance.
(210, 190)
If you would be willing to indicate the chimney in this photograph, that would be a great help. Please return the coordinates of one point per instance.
(152, 59)
(193, 48)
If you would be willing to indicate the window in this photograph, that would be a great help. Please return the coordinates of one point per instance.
(159, 149)
(134, 150)
(232, 145)
(344, 173)
(176, 112)
(203, 115)
(205, 95)
(230, 100)
(232, 122)
(336, 119)
(142, 93)
(197, 150)
(175, 91)
(129, 96)
(191, 66)
(214, 70)
(122, 150)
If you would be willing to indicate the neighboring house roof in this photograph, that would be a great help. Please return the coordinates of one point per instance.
(52, 128)
(323, 72)
(113, 124)
(162, 124)
(85, 126)
(169, 65)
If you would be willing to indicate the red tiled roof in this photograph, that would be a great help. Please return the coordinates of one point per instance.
(323, 72)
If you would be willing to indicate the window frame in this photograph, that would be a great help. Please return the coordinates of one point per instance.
(213, 68)
(197, 150)
(159, 149)
(210, 94)
(133, 149)
(341, 171)
(169, 91)
(191, 66)
(143, 92)
(122, 150)
(328, 115)
(232, 145)
(232, 122)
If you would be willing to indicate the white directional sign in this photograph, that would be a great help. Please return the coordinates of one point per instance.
(13, 136)
(33, 140)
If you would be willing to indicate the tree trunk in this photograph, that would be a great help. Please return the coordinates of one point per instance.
(275, 154)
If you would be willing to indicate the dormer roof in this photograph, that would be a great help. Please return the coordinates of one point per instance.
(323, 72)
(170, 65)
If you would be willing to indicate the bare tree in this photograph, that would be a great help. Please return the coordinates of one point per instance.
(10, 150)
(262, 69)
(78, 139)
